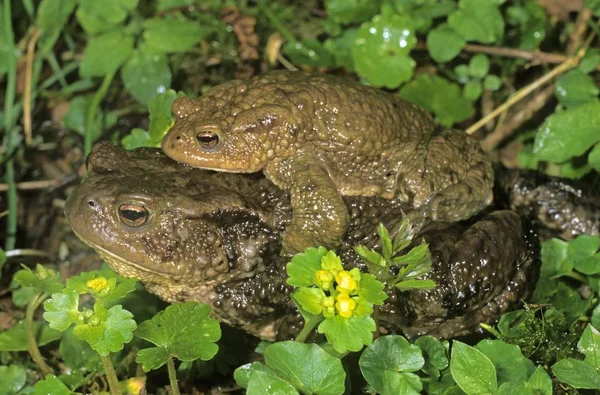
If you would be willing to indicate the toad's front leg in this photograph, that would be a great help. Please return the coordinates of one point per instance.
(319, 215)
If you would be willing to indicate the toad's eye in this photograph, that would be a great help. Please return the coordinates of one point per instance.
(134, 215)
(208, 139)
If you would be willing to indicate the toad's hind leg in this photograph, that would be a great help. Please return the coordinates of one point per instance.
(453, 179)
(319, 215)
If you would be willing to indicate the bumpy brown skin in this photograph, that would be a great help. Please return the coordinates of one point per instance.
(215, 238)
(318, 137)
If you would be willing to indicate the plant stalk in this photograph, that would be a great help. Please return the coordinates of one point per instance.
(111, 375)
(92, 109)
(34, 351)
(308, 327)
(172, 376)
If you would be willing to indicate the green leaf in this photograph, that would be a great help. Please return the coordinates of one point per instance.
(472, 370)
(61, 310)
(351, 11)
(348, 334)
(583, 254)
(479, 66)
(444, 44)
(370, 256)
(472, 90)
(554, 259)
(310, 299)
(514, 387)
(405, 285)
(308, 52)
(146, 74)
(381, 50)
(477, 20)
(301, 270)
(53, 14)
(440, 96)
(540, 382)
(509, 361)
(242, 374)
(594, 157)
(371, 290)
(309, 368)
(137, 138)
(104, 54)
(385, 363)
(74, 119)
(576, 373)
(43, 279)
(97, 16)
(182, 330)
(589, 345)
(386, 242)
(340, 47)
(262, 383)
(12, 379)
(77, 353)
(51, 385)
(590, 61)
(568, 133)
(161, 118)
(575, 88)
(435, 355)
(492, 82)
(116, 330)
(15, 338)
(172, 35)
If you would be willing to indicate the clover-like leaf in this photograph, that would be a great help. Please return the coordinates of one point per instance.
(61, 309)
(117, 331)
(477, 20)
(310, 299)
(308, 367)
(381, 50)
(472, 370)
(301, 270)
(371, 290)
(348, 334)
(43, 279)
(444, 43)
(386, 362)
(51, 385)
(182, 330)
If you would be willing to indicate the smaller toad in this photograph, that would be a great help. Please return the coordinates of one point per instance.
(320, 137)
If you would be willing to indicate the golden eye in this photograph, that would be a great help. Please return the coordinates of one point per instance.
(208, 139)
(134, 215)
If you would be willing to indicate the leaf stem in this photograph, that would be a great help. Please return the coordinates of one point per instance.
(9, 120)
(111, 375)
(492, 330)
(308, 327)
(172, 376)
(92, 109)
(34, 351)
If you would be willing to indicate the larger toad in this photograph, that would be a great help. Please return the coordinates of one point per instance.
(321, 137)
(188, 234)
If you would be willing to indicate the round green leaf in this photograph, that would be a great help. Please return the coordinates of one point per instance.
(510, 363)
(105, 54)
(442, 97)
(590, 61)
(172, 35)
(575, 88)
(12, 379)
(116, 330)
(385, 362)
(263, 383)
(381, 50)
(308, 367)
(308, 52)
(434, 353)
(61, 309)
(472, 370)
(492, 82)
(146, 74)
(472, 90)
(301, 270)
(348, 334)
(479, 66)
(576, 373)
(477, 20)
(444, 43)
(351, 11)
(568, 133)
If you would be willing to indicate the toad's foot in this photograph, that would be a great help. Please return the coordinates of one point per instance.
(319, 215)
(450, 177)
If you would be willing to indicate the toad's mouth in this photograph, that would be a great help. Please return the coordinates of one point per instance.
(123, 266)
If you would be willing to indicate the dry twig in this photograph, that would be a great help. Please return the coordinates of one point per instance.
(27, 93)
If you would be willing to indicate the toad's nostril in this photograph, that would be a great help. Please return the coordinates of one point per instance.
(178, 137)
(92, 203)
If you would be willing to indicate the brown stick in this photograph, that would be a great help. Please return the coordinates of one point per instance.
(31, 185)
(535, 56)
(27, 92)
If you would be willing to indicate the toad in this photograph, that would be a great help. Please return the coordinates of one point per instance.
(321, 137)
(190, 234)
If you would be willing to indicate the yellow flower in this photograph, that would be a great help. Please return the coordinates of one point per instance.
(323, 279)
(346, 282)
(328, 304)
(345, 305)
(97, 284)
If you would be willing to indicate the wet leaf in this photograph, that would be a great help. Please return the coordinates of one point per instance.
(509, 361)
(308, 52)
(104, 54)
(12, 379)
(61, 310)
(575, 88)
(146, 74)
(540, 382)
(348, 334)
(472, 370)
(444, 44)
(351, 11)
(262, 383)
(15, 338)
(381, 50)
(477, 20)
(172, 35)
(435, 355)
(589, 345)
(577, 374)
(301, 270)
